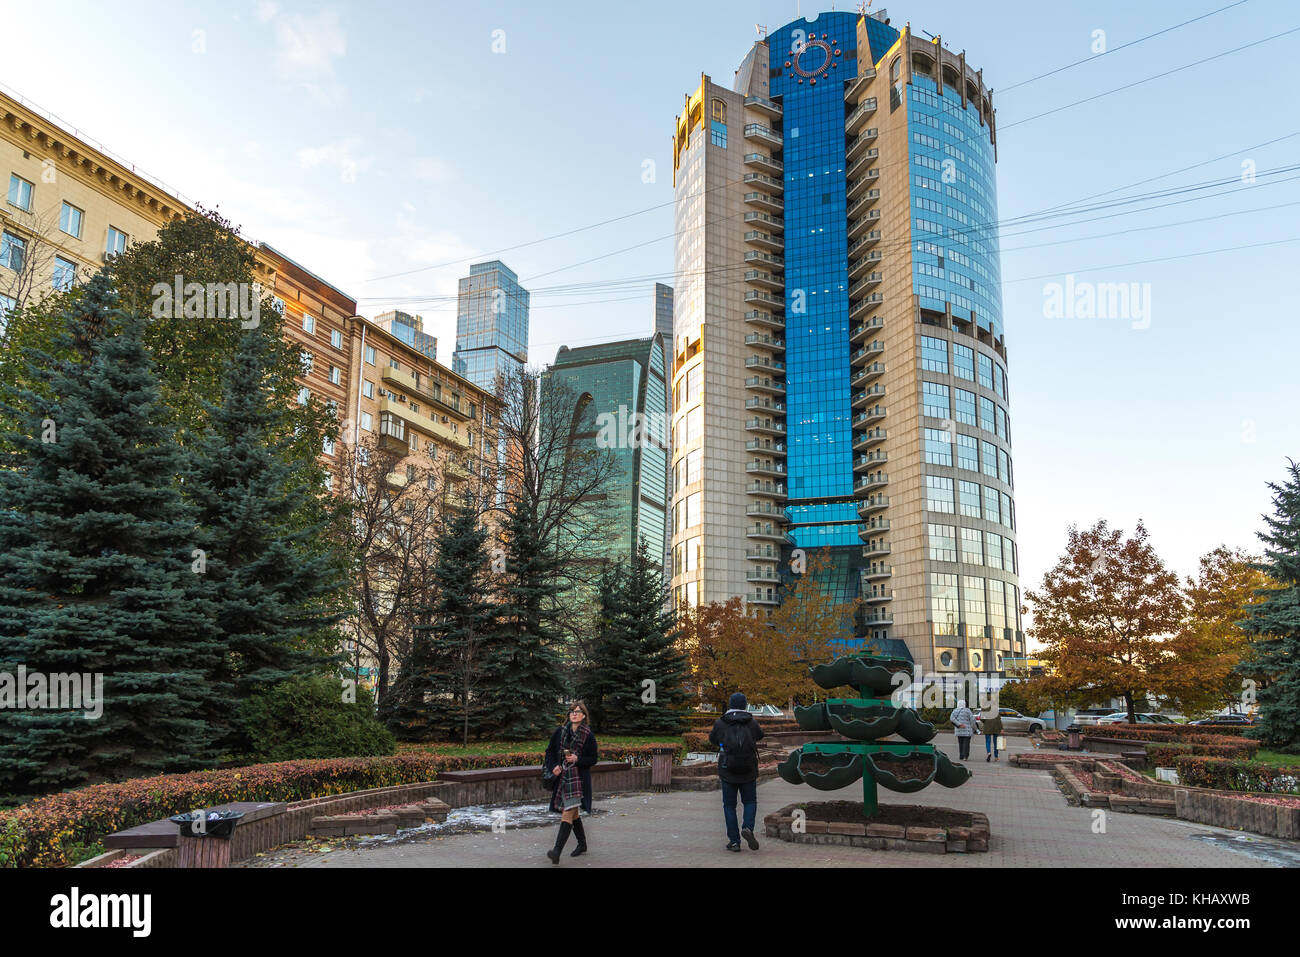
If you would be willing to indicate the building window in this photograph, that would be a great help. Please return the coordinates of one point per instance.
(938, 494)
(990, 453)
(986, 415)
(990, 504)
(963, 361)
(368, 389)
(308, 324)
(718, 134)
(972, 546)
(934, 398)
(336, 339)
(993, 549)
(973, 605)
(999, 381)
(370, 354)
(20, 192)
(328, 446)
(934, 354)
(943, 603)
(304, 395)
(965, 405)
(70, 220)
(13, 251)
(116, 244)
(938, 447)
(336, 376)
(943, 543)
(968, 452)
(392, 361)
(367, 423)
(1006, 510)
(970, 499)
(306, 359)
(277, 304)
(986, 371)
(329, 482)
(65, 274)
(7, 304)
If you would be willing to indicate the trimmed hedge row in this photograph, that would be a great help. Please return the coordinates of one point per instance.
(37, 833)
(698, 741)
(1163, 755)
(1171, 735)
(1232, 775)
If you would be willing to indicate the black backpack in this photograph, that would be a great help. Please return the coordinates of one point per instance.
(739, 753)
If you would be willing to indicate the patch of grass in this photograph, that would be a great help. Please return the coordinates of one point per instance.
(1277, 757)
(535, 745)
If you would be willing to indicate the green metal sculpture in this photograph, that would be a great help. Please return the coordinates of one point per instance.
(831, 765)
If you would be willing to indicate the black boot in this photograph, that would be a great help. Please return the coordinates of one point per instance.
(560, 840)
(582, 838)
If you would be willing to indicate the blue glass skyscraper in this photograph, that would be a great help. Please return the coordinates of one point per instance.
(491, 326)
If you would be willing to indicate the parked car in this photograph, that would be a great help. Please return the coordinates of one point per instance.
(1090, 716)
(1013, 720)
(1121, 717)
(1226, 719)
(766, 711)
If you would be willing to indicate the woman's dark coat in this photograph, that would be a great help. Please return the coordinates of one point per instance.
(586, 758)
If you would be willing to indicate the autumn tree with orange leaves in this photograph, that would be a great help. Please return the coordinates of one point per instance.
(1103, 613)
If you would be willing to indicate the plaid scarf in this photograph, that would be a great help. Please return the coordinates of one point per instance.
(570, 790)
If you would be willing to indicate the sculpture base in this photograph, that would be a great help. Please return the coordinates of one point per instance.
(896, 827)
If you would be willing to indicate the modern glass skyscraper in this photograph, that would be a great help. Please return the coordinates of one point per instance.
(410, 329)
(628, 414)
(839, 368)
(664, 314)
(491, 325)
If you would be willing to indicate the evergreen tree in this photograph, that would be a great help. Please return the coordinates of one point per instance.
(95, 564)
(636, 644)
(275, 591)
(1276, 621)
(437, 692)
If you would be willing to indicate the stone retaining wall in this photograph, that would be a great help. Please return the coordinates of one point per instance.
(1219, 810)
(881, 837)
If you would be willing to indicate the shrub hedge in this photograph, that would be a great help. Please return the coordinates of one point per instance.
(1246, 746)
(1164, 755)
(43, 832)
(1233, 775)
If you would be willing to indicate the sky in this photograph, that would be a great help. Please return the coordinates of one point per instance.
(386, 146)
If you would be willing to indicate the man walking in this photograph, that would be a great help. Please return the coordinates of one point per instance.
(736, 734)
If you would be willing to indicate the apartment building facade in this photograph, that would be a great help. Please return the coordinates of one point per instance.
(840, 369)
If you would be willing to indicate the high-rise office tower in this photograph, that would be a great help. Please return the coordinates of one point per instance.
(839, 369)
(491, 326)
(664, 314)
(626, 411)
(410, 329)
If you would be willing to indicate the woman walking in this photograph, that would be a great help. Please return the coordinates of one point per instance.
(963, 725)
(570, 756)
(991, 725)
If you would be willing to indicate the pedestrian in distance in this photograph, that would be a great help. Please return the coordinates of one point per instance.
(570, 756)
(963, 725)
(736, 734)
(990, 723)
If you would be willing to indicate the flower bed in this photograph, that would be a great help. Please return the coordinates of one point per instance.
(1234, 775)
(38, 833)
(1246, 746)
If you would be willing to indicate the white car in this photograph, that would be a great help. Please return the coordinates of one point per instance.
(1121, 717)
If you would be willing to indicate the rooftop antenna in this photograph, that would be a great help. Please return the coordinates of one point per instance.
(761, 30)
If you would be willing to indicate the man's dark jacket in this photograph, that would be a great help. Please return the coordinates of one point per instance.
(752, 730)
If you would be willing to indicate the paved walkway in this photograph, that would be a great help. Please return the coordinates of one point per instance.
(1031, 825)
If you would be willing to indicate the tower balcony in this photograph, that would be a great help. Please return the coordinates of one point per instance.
(860, 308)
(860, 400)
(759, 597)
(873, 504)
(861, 164)
(863, 202)
(858, 118)
(765, 426)
(858, 145)
(869, 483)
(765, 362)
(862, 225)
(878, 595)
(764, 162)
(758, 509)
(761, 277)
(765, 384)
(874, 525)
(768, 320)
(871, 326)
(771, 183)
(763, 299)
(858, 248)
(865, 463)
(763, 575)
(868, 281)
(878, 618)
(762, 467)
(774, 224)
(763, 553)
(858, 84)
(875, 548)
(868, 372)
(763, 201)
(770, 405)
(766, 446)
(758, 133)
(764, 105)
(756, 237)
(872, 350)
(766, 489)
(771, 260)
(761, 340)
(869, 438)
(876, 571)
(867, 416)
(864, 263)
(866, 179)
(761, 531)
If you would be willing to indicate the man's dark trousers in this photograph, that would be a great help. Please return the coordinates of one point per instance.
(748, 797)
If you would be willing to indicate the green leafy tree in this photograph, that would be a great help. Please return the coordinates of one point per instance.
(1275, 620)
(96, 546)
(275, 591)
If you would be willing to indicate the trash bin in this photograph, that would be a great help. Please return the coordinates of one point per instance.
(1073, 740)
(205, 842)
(661, 768)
